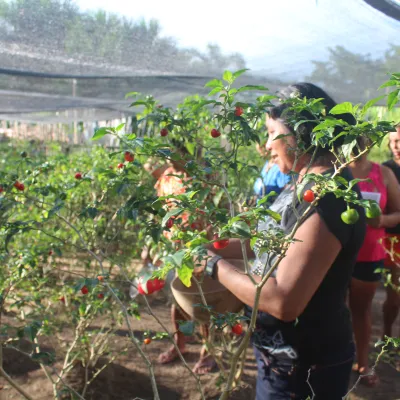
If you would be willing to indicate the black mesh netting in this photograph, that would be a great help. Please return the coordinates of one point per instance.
(60, 64)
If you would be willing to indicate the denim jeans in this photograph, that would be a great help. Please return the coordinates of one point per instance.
(285, 379)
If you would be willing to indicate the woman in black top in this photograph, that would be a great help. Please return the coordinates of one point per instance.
(391, 306)
(303, 336)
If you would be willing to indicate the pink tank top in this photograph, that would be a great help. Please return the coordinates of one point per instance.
(371, 249)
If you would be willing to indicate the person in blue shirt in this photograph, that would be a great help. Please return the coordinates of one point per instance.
(271, 179)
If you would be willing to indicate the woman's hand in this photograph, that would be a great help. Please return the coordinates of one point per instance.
(200, 265)
(375, 222)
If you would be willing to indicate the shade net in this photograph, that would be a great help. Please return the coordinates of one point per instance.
(60, 64)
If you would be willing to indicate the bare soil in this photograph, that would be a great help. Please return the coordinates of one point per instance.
(127, 378)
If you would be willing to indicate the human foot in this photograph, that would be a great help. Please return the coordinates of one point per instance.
(205, 365)
(368, 377)
(170, 355)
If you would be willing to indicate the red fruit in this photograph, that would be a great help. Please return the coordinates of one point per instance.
(62, 299)
(237, 329)
(147, 341)
(129, 157)
(170, 223)
(50, 252)
(85, 290)
(220, 244)
(309, 196)
(100, 296)
(120, 165)
(78, 175)
(19, 186)
(215, 133)
(100, 278)
(152, 285)
(238, 111)
(164, 132)
(1, 189)
(195, 226)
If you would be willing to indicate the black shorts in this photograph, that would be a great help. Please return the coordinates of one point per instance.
(366, 270)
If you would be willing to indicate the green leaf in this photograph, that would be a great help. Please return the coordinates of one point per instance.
(342, 108)
(170, 214)
(241, 229)
(99, 133)
(131, 94)
(228, 76)
(191, 147)
(390, 82)
(119, 127)
(274, 215)
(255, 87)
(186, 327)
(185, 274)
(32, 330)
(370, 103)
(215, 91)
(214, 83)
(393, 98)
(266, 198)
(178, 257)
(240, 72)
(92, 212)
(43, 358)
(217, 198)
(348, 148)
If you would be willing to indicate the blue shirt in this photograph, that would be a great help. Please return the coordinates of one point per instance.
(271, 180)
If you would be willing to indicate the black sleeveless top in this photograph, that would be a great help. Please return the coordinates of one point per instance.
(325, 324)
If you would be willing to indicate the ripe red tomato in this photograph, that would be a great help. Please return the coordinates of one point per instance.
(78, 175)
(1, 189)
(19, 186)
(128, 156)
(120, 165)
(237, 329)
(50, 252)
(85, 290)
(220, 244)
(215, 133)
(100, 296)
(170, 223)
(195, 226)
(238, 111)
(62, 299)
(309, 196)
(147, 341)
(164, 132)
(152, 285)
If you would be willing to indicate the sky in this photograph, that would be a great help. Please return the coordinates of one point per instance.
(273, 36)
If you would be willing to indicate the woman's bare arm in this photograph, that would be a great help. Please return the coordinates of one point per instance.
(391, 217)
(299, 275)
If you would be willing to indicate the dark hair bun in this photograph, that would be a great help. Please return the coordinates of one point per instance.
(304, 133)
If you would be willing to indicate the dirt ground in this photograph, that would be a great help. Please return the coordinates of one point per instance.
(127, 378)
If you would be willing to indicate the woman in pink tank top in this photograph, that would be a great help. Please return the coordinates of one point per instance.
(384, 189)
